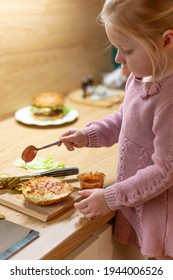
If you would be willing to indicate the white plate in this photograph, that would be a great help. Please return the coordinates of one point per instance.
(24, 115)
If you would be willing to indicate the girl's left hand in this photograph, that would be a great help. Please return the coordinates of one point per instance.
(93, 205)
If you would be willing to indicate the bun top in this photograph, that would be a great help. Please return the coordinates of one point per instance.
(48, 99)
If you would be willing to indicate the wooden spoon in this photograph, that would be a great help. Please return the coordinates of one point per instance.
(30, 152)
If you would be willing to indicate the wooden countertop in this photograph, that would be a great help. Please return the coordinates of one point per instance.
(61, 235)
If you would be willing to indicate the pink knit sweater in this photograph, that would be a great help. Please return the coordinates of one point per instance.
(143, 191)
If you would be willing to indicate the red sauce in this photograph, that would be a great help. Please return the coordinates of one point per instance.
(91, 180)
(29, 153)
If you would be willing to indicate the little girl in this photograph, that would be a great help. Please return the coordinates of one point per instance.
(142, 32)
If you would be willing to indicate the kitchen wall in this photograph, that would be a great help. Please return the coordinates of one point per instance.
(48, 45)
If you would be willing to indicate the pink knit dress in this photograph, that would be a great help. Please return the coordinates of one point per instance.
(143, 192)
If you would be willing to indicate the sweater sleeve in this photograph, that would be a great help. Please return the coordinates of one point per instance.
(156, 178)
(105, 132)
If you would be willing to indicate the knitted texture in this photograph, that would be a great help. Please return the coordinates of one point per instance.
(143, 191)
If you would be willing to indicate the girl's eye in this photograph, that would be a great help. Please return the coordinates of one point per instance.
(127, 51)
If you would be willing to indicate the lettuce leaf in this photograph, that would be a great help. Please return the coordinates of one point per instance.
(40, 164)
(35, 109)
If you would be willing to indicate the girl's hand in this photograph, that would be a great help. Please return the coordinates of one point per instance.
(93, 205)
(74, 138)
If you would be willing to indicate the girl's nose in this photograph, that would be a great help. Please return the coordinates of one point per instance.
(119, 57)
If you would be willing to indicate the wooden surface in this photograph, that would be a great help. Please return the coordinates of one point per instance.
(64, 233)
(17, 202)
(76, 96)
(48, 46)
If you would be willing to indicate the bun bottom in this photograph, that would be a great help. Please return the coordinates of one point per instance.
(45, 202)
(45, 190)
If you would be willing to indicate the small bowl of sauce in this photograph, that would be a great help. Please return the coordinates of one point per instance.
(91, 180)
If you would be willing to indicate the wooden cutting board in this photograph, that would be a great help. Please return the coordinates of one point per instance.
(17, 202)
(76, 96)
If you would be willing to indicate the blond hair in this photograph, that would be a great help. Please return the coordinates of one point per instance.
(144, 21)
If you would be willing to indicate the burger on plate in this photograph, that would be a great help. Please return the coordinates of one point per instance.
(48, 106)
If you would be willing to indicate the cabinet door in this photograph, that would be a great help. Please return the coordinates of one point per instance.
(97, 247)
(89, 250)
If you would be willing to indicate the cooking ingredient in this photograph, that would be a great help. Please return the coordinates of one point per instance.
(10, 183)
(46, 190)
(2, 176)
(40, 164)
(91, 180)
(30, 152)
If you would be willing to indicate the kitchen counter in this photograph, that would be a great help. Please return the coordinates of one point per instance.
(62, 234)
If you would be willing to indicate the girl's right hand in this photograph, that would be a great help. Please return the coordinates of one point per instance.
(74, 138)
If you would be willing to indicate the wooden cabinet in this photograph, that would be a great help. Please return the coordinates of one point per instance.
(97, 247)
(102, 246)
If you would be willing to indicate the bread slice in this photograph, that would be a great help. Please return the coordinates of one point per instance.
(46, 190)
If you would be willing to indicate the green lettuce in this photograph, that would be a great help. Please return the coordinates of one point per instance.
(38, 164)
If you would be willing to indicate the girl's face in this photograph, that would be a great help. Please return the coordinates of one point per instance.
(130, 54)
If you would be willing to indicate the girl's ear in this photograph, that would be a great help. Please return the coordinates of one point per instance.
(168, 39)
